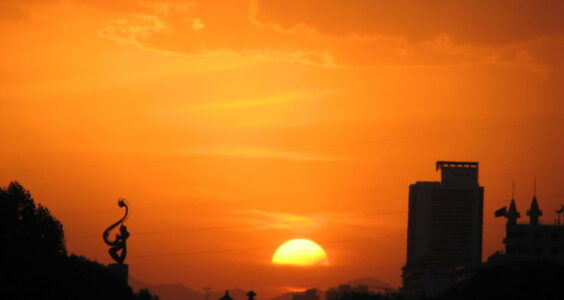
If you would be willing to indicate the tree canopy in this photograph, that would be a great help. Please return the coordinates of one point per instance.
(34, 261)
(27, 229)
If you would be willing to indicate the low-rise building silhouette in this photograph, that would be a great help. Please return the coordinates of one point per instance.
(309, 294)
(444, 229)
(530, 242)
(344, 291)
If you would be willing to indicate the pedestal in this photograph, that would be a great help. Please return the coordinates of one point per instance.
(121, 271)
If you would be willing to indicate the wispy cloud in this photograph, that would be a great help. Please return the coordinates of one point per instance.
(132, 31)
(281, 221)
(226, 105)
(264, 101)
(261, 153)
(271, 220)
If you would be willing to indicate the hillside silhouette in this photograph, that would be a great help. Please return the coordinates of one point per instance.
(34, 260)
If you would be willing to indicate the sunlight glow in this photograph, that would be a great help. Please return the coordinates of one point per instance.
(300, 252)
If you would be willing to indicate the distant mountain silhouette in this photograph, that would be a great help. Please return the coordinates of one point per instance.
(173, 291)
(289, 295)
(285, 296)
(178, 291)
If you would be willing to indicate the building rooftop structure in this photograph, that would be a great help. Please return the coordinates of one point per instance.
(458, 172)
(226, 296)
(533, 241)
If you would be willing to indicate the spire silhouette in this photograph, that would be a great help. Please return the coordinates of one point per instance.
(226, 296)
(534, 212)
(512, 213)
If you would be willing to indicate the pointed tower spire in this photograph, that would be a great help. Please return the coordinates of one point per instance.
(512, 213)
(226, 296)
(534, 212)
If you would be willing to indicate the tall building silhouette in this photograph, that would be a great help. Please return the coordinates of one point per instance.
(444, 229)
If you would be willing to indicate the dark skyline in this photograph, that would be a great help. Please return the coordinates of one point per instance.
(234, 127)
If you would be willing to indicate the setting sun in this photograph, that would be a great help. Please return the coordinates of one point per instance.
(300, 252)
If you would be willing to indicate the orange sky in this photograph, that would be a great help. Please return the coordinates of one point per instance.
(234, 126)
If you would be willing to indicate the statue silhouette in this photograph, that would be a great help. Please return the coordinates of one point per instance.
(118, 247)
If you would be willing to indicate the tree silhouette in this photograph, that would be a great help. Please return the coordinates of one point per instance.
(34, 262)
(26, 228)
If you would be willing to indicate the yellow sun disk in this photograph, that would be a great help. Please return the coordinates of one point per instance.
(300, 252)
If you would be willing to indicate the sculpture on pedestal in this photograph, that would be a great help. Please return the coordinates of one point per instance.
(118, 246)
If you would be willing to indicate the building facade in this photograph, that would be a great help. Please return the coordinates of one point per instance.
(533, 241)
(444, 229)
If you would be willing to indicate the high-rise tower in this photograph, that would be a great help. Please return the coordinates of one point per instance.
(444, 229)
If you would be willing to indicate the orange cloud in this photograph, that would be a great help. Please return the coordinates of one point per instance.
(343, 34)
(474, 22)
(281, 221)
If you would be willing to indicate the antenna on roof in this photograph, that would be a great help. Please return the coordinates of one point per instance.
(206, 292)
(535, 186)
(513, 190)
(559, 212)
